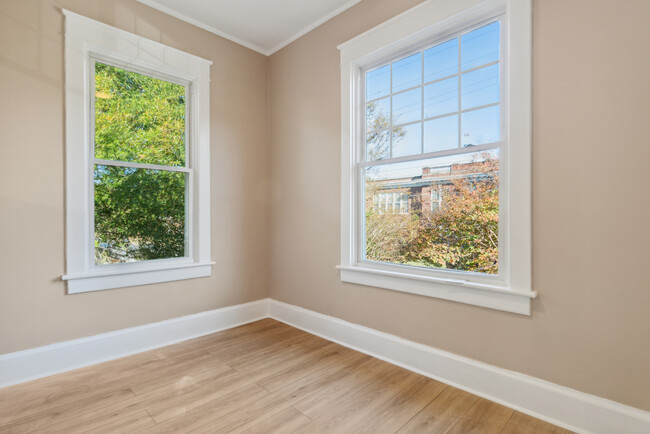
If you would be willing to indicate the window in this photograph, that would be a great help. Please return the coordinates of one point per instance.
(140, 167)
(436, 104)
(436, 198)
(443, 98)
(137, 152)
(391, 202)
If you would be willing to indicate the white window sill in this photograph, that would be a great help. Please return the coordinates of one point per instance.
(99, 280)
(478, 294)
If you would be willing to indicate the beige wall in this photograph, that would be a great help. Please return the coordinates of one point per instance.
(590, 327)
(34, 309)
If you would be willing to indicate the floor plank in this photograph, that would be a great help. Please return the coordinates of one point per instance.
(260, 377)
(520, 422)
(344, 415)
(400, 408)
(287, 421)
(291, 374)
(485, 417)
(328, 383)
(199, 417)
(41, 420)
(341, 384)
(84, 421)
(441, 413)
(131, 423)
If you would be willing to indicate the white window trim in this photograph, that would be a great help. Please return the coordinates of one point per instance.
(512, 290)
(85, 41)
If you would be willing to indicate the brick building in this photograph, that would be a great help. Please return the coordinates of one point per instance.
(425, 192)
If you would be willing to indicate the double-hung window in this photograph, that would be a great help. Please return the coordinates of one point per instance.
(436, 106)
(137, 154)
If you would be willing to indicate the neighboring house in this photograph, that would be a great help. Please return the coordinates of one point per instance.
(425, 192)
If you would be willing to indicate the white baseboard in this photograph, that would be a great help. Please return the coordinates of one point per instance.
(568, 408)
(559, 405)
(52, 359)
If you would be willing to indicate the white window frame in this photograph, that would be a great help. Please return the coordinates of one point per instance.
(511, 290)
(87, 41)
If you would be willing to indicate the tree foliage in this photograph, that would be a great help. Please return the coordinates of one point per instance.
(378, 142)
(139, 213)
(462, 234)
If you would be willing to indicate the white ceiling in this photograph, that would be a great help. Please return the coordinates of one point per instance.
(262, 25)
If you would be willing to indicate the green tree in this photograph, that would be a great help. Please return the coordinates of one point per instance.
(139, 213)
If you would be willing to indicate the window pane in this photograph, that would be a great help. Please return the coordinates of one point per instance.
(378, 83)
(378, 114)
(441, 134)
(378, 145)
(480, 87)
(138, 118)
(480, 126)
(407, 140)
(441, 61)
(407, 72)
(407, 106)
(441, 97)
(139, 214)
(480, 46)
(458, 232)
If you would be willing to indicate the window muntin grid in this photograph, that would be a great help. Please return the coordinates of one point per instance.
(440, 98)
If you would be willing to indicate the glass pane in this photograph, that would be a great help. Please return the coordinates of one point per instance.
(407, 106)
(378, 83)
(441, 134)
(139, 214)
(441, 61)
(407, 140)
(480, 126)
(407, 72)
(480, 46)
(441, 97)
(378, 114)
(450, 220)
(480, 87)
(378, 145)
(138, 118)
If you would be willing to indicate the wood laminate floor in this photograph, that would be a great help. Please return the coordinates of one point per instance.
(262, 377)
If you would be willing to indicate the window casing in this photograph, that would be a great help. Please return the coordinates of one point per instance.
(89, 43)
(409, 36)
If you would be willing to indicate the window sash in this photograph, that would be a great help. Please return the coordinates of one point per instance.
(189, 183)
(111, 61)
(360, 242)
(362, 162)
(455, 34)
